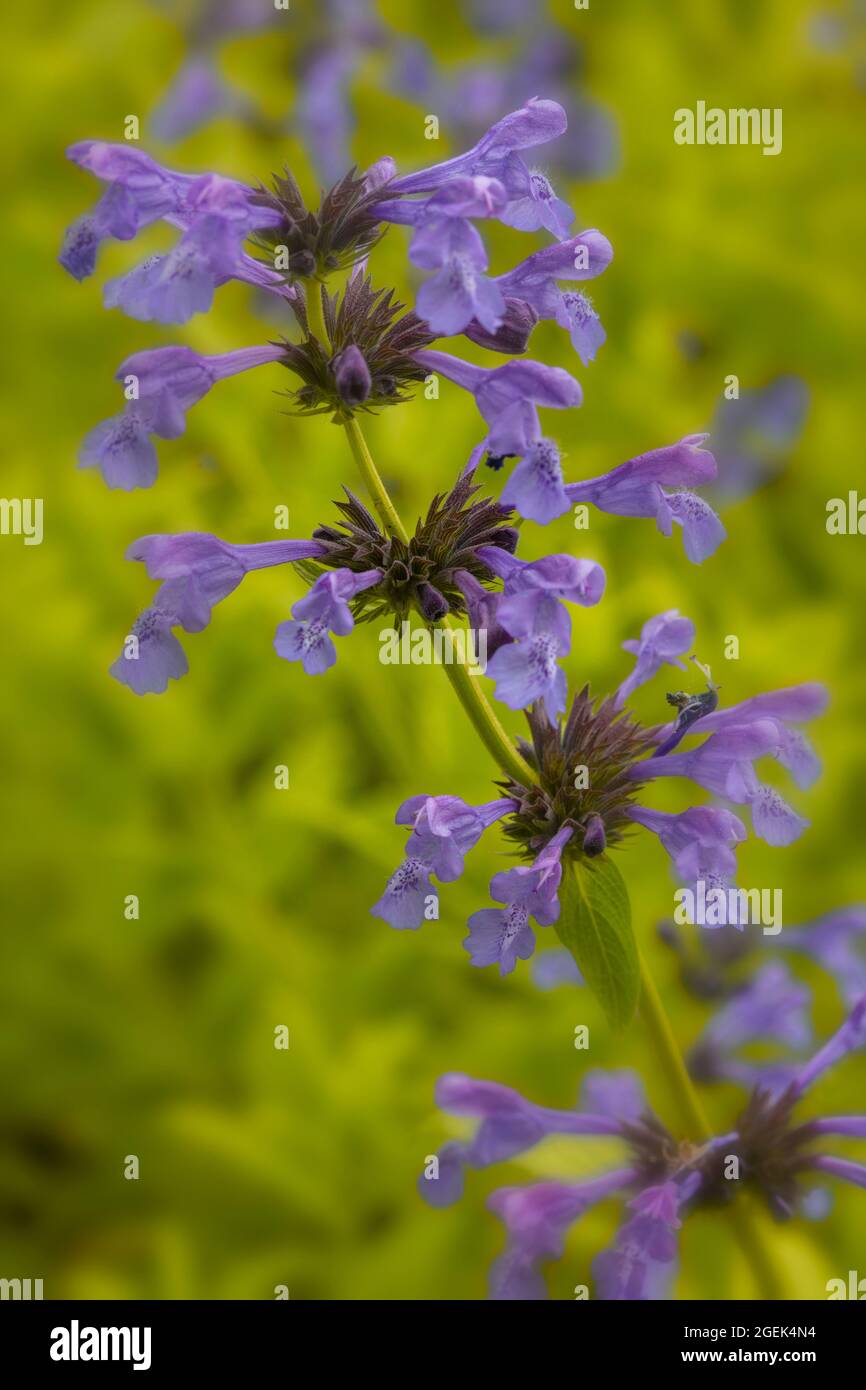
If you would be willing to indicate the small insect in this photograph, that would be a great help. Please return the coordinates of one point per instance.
(497, 461)
(690, 708)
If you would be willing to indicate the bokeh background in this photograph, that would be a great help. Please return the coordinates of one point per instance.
(155, 1037)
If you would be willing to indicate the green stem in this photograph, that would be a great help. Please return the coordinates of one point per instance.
(745, 1220)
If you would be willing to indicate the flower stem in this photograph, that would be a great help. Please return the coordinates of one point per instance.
(744, 1219)
(467, 689)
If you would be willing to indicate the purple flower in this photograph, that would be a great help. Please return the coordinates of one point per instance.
(161, 385)
(752, 434)
(662, 642)
(174, 287)
(537, 1216)
(198, 571)
(576, 314)
(637, 488)
(460, 293)
(794, 704)
(444, 830)
(535, 123)
(502, 935)
(508, 395)
(699, 840)
(836, 942)
(581, 257)
(139, 191)
(739, 735)
(643, 1260)
(325, 609)
(533, 203)
(531, 611)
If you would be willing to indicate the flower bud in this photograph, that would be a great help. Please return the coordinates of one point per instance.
(594, 838)
(512, 335)
(302, 263)
(352, 376)
(433, 604)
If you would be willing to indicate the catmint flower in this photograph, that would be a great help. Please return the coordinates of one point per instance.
(581, 257)
(662, 642)
(324, 610)
(531, 611)
(699, 841)
(197, 571)
(214, 213)
(534, 204)
(793, 705)
(166, 383)
(502, 935)
(739, 734)
(535, 123)
(507, 396)
(576, 314)
(444, 829)
(637, 488)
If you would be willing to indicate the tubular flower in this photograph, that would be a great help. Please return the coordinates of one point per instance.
(197, 571)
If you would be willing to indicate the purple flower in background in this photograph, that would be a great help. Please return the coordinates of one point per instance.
(538, 1216)
(837, 942)
(772, 1007)
(444, 830)
(161, 384)
(637, 488)
(752, 435)
(197, 571)
(662, 1180)
(305, 637)
(503, 935)
(196, 96)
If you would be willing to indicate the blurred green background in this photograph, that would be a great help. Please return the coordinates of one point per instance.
(155, 1037)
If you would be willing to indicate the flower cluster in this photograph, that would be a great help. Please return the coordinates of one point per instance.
(564, 815)
(369, 353)
(661, 1179)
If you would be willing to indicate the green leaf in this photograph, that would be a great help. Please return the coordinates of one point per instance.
(595, 924)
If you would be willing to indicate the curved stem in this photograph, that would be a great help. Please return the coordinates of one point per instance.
(745, 1221)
